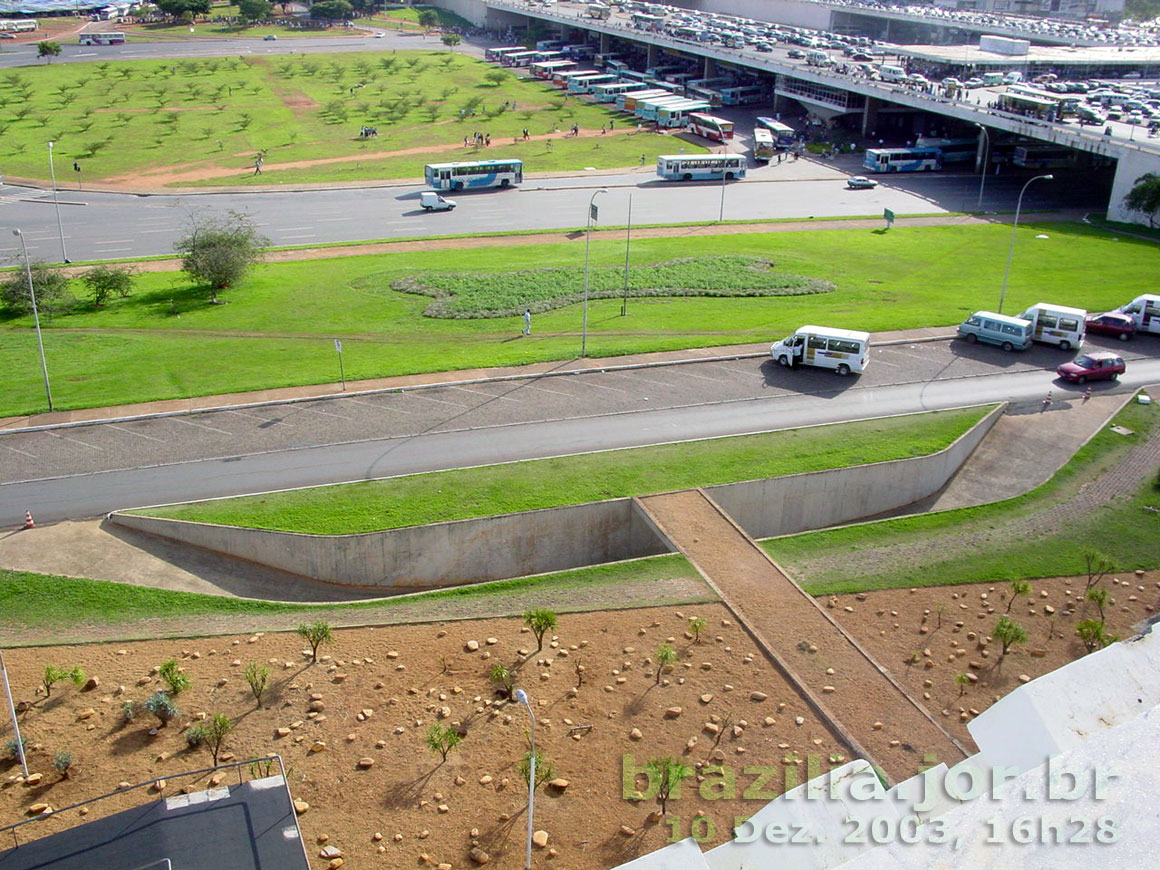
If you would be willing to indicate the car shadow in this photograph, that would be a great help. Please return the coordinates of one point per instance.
(807, 380)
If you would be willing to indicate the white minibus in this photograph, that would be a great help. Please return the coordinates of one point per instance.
(1145, 311)
(842, 350)
(1056, 324)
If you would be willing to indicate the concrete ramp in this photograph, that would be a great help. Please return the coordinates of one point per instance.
(831, 670)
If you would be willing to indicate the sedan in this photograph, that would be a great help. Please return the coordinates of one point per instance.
(861, 182)
(1100, 366)
(1119, 326)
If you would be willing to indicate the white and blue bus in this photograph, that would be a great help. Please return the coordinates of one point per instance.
(783, 134)
(678, 115)
(700, 167)
(473, 173)
(587, 84)
(608, 92)
(962, 150)
(745, 95)
(902, 159)
(494, 54)
(518, 58)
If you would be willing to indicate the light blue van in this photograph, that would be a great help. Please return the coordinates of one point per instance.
(1009, 333)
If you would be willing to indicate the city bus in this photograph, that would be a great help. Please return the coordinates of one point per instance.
(688, 34)
(1044, 156)
(518, 58)
(644, 21)
(677, 114)
(902, 159)
(587, 84)
(101, 39)
(712, 97)
(963, 150)
(745, 95)
(561, 78)
(627, 102)
(700, 167)
(473, 173)
(495, 54)
(598, 11)
(545, 69)
(763, 145)
(784, 135)
(646, 110)
(607, 93)
(710, 127)
(543, 55)
(17, 25)
(1028, 106)
(1066, 105)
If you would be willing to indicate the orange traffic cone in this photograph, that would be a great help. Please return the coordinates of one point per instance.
(29, 522)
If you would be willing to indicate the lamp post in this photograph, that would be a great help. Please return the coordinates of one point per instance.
(986, 153)
(522, 697)
(35, 315)
(1014, 226)
(56, 203)
(12, 714)
(587, 244)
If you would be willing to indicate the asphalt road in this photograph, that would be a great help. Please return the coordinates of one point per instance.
(86, 471)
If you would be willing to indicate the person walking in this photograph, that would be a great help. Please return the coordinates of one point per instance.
(527, 321)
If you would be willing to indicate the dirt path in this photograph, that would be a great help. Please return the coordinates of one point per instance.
(812, 649)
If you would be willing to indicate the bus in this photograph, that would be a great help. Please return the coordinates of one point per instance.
(700, 167)
(561, 78)
(1028, 106)
(101, 39)
(627, 102)
(587, 84)
(598, 11)
(712, 97)
(518, 58)
(545, 69)
(763, 145)
(902, 159)
(1066, 105)
(784, 135)
(963, 150)
(607, 93)
(745, 95)
(473, 173)
(542, 56)
(632, 75)
(677, 114)
(710, 127)
(495, 54)
(644, 21)
(1044, 156)
(17, 25)
(688, 34)
(646, 110)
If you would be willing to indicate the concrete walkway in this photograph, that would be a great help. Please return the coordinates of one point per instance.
(812, 650)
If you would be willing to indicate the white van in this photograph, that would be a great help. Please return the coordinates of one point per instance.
(991, 79)
(889, 73)
(1013, 77)
(1056, 324)
(432, 201)
(842, 350)
(818, 58)
(1145, 311)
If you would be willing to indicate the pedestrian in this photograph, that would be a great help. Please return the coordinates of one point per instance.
(612, 124)
(487, 141)
(642, 159)
(465, 145)
(603, 129)
(258, 166)
(527, 321)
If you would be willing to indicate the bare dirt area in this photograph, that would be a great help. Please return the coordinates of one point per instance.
(378, 691)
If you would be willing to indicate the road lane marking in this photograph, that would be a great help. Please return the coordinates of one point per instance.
(21, 452)
(392, 409)
(323, 413)
(485, 394)
(131, 432)
(199, 425)
(440, 401)
(75, 441)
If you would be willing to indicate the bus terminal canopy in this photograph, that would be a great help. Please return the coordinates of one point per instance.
(39, 7)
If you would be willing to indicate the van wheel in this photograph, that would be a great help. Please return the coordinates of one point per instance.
(426, 208)
(505, 182)
(843, 370)
(1065, 345)
(1082, 379)
(972, 338)
(1008, 346)
(783, 360)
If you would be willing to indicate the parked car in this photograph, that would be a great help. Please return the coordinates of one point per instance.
(796, 53)
(973, 83)
(860, 182)
(1119, 326)
(1098, 366)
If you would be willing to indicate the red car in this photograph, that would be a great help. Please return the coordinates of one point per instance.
(1119, 326)
(1092, 367)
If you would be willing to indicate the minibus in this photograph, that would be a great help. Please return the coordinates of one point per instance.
(842, 350)
(1009, 333)
(1056, 324)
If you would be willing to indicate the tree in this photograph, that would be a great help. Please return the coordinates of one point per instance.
(428, 18)
(255, 10)
(696, 626)
(62, 762)
(50, 285)
(963, 680)
(442, 739)
(186, 9)
(666, 655)
(1008, 632)
(174, 677)
(540, 621)
(315, 634)
(501, 674)
(544, 769)
(332, 10)
(1096, 565)
(215, 733)
(53, 675)
(256, 676)
(496, 76)
(160, 705)
(47, 49)
(1144, 197)
(1098, 596)
(450, 40)
(669, 773)
(1018, 587)
(218, 251)
(1093, 634)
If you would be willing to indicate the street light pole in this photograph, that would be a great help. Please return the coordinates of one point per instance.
(587, 244)
(1014, 226)
(35, 316)
(56, 202)
(522, 697)
(986, 153)
(12, 713)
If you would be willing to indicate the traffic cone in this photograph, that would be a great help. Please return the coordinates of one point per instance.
(29, 522)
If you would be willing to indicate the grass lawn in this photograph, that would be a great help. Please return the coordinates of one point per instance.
(39, 601)
(166, 341)
(977, 544)
(211, 116)
(421, 499)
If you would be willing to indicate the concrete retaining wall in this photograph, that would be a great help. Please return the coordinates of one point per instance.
(819, 499)
(443, 554)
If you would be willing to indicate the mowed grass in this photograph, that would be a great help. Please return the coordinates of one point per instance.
(1124, 529)
(62, 605)
(167, 342)
(210, 117)
(421, 499)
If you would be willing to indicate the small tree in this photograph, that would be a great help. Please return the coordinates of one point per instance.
(963, 680)
(161, 706)
(540, 621)
(442, 739)
(50, 285)
(53, 675)
(218, 251)
(62, 762)
(496, 76)
(14, 748)
(1008, 632)
(315, 634)
(501, 674)
(48, 50)
(176, 680)
(1097, 566)
(332, 10)
(666, 655)
(1098, 596)
(940, 610)
(255, 10)
(696, 626)
(1093, 634)
(668, 772)
(450, 40)
(1018, 587)
(544, 769)
(256, 677)
(1144, 197)
(428, 18)
(215, 732)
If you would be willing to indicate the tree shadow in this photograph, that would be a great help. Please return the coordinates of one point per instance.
(404, 795)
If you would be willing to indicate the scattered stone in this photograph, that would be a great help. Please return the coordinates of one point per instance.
(540, 839)
(706, 698)
(635, 734)
(366, 763)
(478, 855)
(673, 712)
(757, 696)
(472, 646)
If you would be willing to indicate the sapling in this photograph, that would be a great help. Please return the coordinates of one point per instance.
(161, 706)
(53, 675)
(315, 634)
(668, 772)
(540, 621)
(174, 677)
(1008, 632)
(442, 739)
(696, 626)
(963, 680)
(256, 677)
(666, 655)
